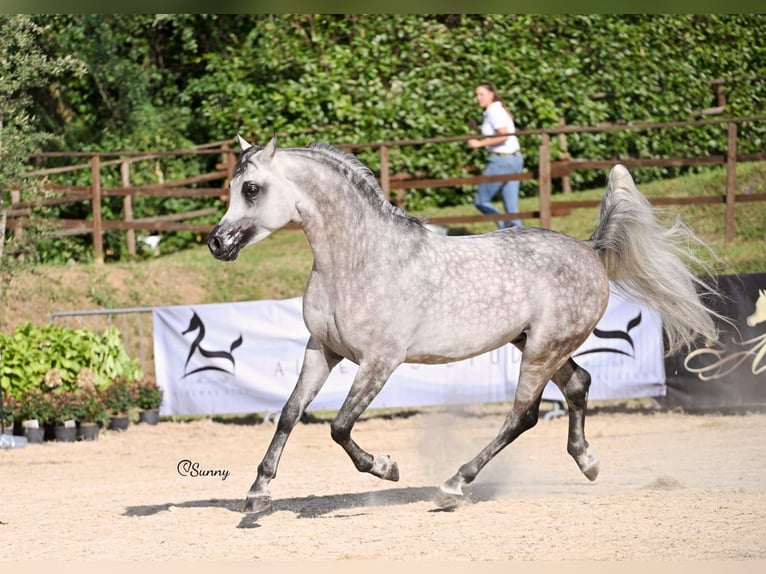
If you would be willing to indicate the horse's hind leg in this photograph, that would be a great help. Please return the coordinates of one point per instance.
(317, 364)
(533, 377)
(574, 382)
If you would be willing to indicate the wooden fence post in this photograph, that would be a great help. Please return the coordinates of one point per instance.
(566, 182)
(731, 181)
(16, 198)
(98, 232)
(385, 177)
(127, 207)
(544, 179)
(230, 162)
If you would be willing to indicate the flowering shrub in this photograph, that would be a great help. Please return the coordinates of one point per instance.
(86, 379)
(52, 379)
(65, 406)
(149, 394)
(93, 409)
(34, 405)
(55, 402)
(120, 396)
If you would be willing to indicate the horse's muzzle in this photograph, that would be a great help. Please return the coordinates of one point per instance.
(217, 245)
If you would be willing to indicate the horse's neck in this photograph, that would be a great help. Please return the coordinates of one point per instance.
(338, 238)
(347, 231)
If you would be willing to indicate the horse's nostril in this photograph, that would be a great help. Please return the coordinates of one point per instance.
(214, 244)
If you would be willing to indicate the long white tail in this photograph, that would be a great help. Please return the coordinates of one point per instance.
(652, 263)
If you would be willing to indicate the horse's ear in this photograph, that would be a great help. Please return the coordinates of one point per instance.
(243, 143)
(271, 147)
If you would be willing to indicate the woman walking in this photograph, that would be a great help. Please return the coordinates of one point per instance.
(504, 155)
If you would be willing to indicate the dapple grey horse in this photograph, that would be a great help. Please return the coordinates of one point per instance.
(384, 290)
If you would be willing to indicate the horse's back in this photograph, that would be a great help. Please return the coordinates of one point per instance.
(475, 293)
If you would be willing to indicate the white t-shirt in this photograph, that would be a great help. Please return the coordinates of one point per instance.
(496, 117)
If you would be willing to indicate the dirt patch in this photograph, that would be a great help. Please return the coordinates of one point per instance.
(665, 483)
(672, 487)
(34, 295)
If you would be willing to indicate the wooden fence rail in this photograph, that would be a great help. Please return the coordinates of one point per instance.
(394, 185)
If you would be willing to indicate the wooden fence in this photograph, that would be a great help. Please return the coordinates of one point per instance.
(394, 185)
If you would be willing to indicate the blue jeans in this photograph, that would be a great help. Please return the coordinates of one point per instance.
(509, 190)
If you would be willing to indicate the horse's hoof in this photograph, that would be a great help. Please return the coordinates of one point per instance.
(589, 466)
(448, 500)
(257, 504)
(385, 468)
(393, 473)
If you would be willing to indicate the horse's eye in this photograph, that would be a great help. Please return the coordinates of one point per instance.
(250, 189)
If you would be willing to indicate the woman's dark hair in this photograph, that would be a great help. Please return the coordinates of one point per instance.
(495, 95)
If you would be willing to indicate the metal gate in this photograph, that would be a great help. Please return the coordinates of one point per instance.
(134, 323)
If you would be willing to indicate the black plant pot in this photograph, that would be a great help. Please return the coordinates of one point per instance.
(87, 431)
(119, 422)
(150, 416)
(34, 435)
(66, 434)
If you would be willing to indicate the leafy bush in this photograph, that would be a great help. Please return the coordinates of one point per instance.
(52, 357)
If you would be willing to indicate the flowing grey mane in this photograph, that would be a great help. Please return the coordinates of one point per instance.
(346, 164)
(359, 174)
(244, 158)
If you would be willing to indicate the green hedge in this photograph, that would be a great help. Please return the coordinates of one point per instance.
(167, 81)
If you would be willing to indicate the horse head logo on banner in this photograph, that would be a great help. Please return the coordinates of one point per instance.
(211, 360)
(715, 363)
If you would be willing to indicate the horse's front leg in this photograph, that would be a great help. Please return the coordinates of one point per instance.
(369, 380)
(317, 364)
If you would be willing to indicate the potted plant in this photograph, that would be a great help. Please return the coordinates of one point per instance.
(149, 400)
(67, 408)
(119, 398)
(32, 412)
(93, 414)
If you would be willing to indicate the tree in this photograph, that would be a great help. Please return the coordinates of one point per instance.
(23, 67)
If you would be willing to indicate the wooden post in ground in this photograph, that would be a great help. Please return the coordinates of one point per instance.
(98, 231)
(229, 159)
(566, 183)
(19, 231)
(127, 207)
(385, 178)
(731, 181)
(544, 179)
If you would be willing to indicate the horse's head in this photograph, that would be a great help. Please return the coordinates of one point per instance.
(260, 202)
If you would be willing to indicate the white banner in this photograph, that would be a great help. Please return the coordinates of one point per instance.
(244, 357)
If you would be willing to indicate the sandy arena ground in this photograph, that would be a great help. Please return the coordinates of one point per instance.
(672, 487)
